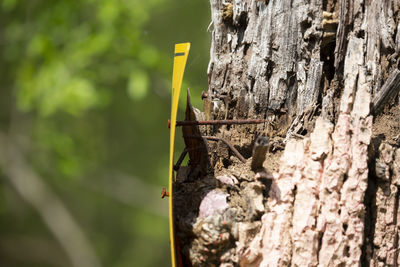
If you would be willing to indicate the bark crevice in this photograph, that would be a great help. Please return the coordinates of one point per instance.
(323, 196)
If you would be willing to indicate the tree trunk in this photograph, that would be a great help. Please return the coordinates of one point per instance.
(324, 74)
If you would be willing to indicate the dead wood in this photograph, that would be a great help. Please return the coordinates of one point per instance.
(311, 69)
(389, 89)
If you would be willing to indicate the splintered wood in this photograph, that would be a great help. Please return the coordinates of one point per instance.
(316, 205)
(388, 91)
(319, 70)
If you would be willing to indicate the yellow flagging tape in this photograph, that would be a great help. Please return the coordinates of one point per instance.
(181, 53)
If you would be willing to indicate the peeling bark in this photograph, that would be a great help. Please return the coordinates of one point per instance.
(319, 71)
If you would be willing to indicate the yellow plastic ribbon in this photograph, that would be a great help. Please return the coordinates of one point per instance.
(180, 56)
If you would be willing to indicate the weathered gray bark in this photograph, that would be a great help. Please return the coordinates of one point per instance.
(312, 68)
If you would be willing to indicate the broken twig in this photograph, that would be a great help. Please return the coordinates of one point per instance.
(390, 88)
(214, 138)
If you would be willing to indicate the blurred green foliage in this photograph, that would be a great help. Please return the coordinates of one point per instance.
(87, 86)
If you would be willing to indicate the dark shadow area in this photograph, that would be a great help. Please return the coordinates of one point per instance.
(370, 211)
(328, 57)
(186, 201)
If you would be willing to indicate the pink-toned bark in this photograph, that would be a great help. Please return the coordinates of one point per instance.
(386, 233)
(316, 204)
(334, 200)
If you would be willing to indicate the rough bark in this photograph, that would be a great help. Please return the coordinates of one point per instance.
(325, 74)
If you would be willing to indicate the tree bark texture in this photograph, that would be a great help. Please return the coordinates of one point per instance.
(325, 75)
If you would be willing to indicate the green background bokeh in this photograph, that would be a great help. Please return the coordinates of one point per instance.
(86, 86)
